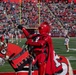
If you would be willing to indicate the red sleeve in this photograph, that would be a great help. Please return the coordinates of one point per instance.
(25, 32)
(32, 43)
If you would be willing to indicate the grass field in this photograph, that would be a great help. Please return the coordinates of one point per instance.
(59, 48)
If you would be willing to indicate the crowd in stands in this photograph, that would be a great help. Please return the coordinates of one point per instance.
(59, 15)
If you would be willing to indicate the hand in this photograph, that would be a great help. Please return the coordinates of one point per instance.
(20, 27)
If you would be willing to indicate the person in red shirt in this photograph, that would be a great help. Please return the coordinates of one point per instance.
(41, 46)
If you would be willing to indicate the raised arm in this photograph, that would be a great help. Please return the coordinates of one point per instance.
(24, 31)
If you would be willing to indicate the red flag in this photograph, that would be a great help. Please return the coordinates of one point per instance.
(74, 1)
(20, 1)
(16, 1)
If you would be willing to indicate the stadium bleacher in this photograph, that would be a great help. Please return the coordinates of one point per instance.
(56, 14)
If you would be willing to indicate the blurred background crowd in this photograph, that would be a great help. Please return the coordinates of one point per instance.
(60, 14)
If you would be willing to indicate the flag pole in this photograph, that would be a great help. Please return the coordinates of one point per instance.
(39, 11)
(20, 10)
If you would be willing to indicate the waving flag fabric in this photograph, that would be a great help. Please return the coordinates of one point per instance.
(17, 1)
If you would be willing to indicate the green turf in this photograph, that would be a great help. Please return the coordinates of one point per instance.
(61, 49)
(58, 47)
